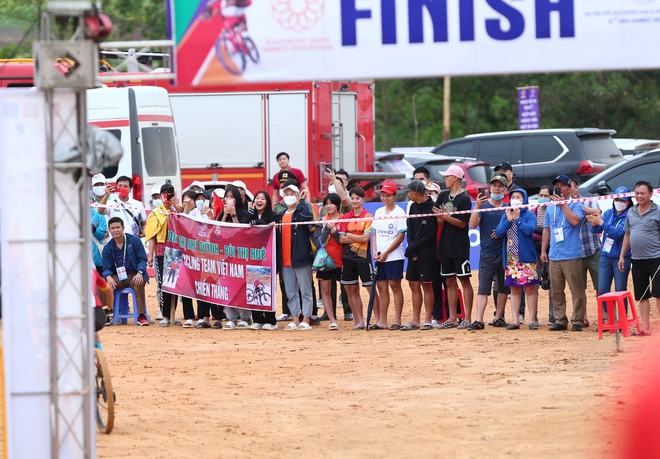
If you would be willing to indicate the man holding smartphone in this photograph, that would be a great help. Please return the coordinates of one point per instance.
(490, 256)
(561, 231)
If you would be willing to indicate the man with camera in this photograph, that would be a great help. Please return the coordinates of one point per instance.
(561, 231)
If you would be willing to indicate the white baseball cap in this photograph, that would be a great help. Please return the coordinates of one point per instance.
(291, 187)
(195, 183)
(220, 192)
(155, 190)
(239, 184)
(99, 178)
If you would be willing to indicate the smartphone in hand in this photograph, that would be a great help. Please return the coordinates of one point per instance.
(481, 191)
(557, 191)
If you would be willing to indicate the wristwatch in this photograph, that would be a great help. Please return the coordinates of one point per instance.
(232, 215)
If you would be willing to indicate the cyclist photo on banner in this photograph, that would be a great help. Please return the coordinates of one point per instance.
(233, 43)
(258, 282)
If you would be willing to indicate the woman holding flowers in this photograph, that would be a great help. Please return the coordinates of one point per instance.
(519, 256)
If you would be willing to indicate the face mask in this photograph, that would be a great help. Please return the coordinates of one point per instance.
(156, 203)
(620, 206)
(123, 192)
(201, 203)
(543, 200)
(516, 202)
(332, 189)
(497, 197)
(99, 190)
(290, 200)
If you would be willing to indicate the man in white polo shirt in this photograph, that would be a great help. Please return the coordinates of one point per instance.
(130, 210)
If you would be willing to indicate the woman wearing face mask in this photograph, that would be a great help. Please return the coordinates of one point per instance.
(202, 205)
(233, 212)
(519, 256)
(611, 225)
(262, 213)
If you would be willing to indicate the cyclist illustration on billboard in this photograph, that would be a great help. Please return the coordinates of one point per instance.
(233, 42)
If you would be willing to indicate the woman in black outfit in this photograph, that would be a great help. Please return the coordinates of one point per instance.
(262, 214)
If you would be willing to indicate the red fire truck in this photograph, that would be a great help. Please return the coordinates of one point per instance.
(235, 132)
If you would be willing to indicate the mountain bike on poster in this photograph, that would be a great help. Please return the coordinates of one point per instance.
(233, 44)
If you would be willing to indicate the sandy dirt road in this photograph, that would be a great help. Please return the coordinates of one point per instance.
(189, 393)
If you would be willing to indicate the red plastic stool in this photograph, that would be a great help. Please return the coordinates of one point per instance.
(461, 305)
(612, 301)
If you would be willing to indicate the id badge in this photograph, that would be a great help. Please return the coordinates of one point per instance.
(121, 273)
(607, 245)
(559, 234)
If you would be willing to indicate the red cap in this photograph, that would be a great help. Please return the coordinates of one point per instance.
(388, 187)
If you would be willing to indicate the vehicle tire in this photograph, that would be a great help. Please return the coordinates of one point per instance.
(105, 397)
(229, 55)
(252, 51)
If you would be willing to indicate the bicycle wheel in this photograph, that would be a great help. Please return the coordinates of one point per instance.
(105, 397)
(228, 53)
(251, 48)
(264, 298)
(250, 296)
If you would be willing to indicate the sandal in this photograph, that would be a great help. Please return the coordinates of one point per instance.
(394, 327)
(476, 325)
(333, 326)
(243, 325)
(513, 327)
(463, 324)
(534, 326)
(229, 326)
(639, 333)
(376, 327)
(447, 324)
(216, 325)
(408, 327)
(427, 326)
(203, 324)
(359, 327)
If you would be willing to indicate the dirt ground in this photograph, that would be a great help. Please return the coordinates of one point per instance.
(192, 393)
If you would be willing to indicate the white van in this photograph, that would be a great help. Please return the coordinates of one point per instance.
(141, 118)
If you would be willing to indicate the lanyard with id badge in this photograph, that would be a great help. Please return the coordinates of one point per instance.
(609, 242)
(559, 231)
(122, 275)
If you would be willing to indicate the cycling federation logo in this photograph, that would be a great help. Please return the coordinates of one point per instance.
(297, 15)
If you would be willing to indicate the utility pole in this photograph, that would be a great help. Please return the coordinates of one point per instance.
(446, 104)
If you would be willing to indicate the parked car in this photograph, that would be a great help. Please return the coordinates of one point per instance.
(631, 170)
(395, 162)
(538, 156)
(635, 146)
(477, 173)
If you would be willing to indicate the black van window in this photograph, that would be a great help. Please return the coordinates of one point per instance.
(111, 171)
(541, 148)
(456, 150)
(494, 151)
(159, 151)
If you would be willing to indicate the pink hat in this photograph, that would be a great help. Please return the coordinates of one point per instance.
(388, 187)
(454, 170)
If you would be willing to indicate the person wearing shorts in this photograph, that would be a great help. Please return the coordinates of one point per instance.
(388, 253)
(422, 263)
(454, 246)
(490, 256)
(356, 259)
(642, 229)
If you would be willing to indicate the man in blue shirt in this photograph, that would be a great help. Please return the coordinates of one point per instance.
(490, 257)
(561, 229)
(125, 264)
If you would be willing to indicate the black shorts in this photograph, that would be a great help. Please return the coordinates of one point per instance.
(490, 267)
(99, 319)
(455, 267)
(390, 270)
(329, 275)
(352, 272)
(642, 272)
(425, 273)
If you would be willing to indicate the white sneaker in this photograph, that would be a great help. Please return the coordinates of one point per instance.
(256, 326)
(150, 320)
(283, 317)
(435, 324)
(160, 315)
(188, 324)
(269, 327)
(164, 323)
